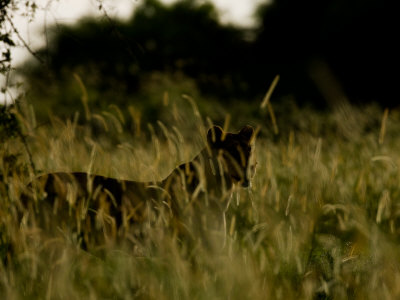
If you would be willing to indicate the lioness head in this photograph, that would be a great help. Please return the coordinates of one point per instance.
(234, 151)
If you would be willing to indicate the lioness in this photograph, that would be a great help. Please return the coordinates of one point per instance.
(102, 209)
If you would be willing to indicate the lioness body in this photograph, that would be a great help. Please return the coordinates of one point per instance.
(91, 203)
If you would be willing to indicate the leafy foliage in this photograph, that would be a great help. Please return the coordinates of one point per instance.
(9, 126)
(5, 40)
(8, 40)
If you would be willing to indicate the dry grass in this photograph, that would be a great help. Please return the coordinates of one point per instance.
(321, 219)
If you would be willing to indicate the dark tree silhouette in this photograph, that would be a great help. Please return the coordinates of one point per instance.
(113, 57)
(354, 40)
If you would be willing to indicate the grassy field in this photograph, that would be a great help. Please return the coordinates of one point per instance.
(321, 219)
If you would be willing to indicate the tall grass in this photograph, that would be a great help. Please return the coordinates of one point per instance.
(321, 219)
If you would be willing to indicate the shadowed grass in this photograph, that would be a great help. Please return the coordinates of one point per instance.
(321, 220)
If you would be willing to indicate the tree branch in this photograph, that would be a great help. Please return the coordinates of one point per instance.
(23, 41)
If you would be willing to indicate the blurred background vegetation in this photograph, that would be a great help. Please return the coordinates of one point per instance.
(325, 53)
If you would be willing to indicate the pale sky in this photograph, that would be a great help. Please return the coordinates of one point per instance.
(69, 11)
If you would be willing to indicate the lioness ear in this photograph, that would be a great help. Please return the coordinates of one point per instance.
(214, 135)
(247, 132)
